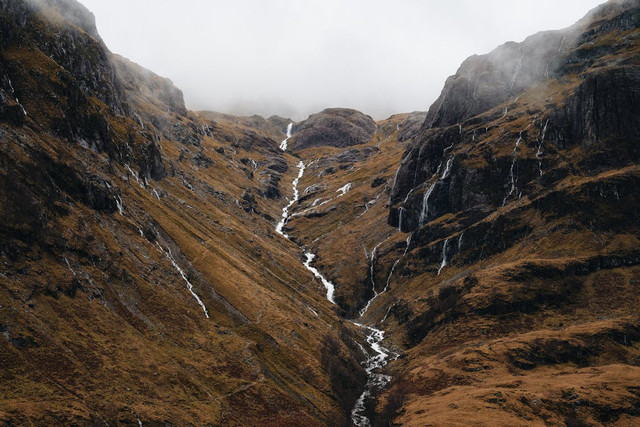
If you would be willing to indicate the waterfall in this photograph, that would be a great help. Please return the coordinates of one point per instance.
(512, 173)
(184, 277)
(443, 264)
(424, 213)
(294, 199)
(283, 144)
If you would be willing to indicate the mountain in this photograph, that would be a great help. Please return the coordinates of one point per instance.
(478, 262)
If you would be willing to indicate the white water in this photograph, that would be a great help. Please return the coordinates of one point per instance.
(309, 256)
(344, 190)
(119, 205)
(395, 178)
(386, 315)
(294, 199)
(375, 337)
(460, 242)
(69, 266)
(512, 175)
(184, 277)
(372, 260)
(424, 213)
(443, 264)
(402, 209)
(541, 146)
(375, 381)
(316, 203)
(395, 264)
(21, 107)
(327, 284)
(134, 174)
(283, 144)
(315, 313)
(155, 193)
(515, 74)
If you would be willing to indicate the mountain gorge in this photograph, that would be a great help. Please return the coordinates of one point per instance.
(484, 254)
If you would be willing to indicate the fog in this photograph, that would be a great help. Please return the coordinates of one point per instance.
(294, 58)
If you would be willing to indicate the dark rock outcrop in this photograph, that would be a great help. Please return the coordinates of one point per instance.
(599, 115)
(335, 127)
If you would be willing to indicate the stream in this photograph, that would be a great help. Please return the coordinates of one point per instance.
(378, 356)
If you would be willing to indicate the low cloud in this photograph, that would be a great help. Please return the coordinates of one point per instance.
(293, 58)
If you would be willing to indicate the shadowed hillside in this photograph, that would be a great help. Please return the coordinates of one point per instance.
(479, 262)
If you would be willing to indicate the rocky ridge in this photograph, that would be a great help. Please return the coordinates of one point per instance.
(493, 240)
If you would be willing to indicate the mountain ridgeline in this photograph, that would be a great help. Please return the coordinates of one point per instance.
(477, 262)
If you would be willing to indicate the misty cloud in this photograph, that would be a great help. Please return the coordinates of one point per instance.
(294, 58)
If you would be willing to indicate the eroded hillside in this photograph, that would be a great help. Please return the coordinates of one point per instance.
(162, 266)
(142, 277)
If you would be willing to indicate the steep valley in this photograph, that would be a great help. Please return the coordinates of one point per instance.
(485, 253)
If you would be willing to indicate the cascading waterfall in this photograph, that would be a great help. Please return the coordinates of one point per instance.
(283, 144)
(119, 205)
(424, 213)
(400, 214)
(330, 287)
(375, 336)
(386, 315)
(184, 277)
(402, 209)
(515, 74)
(294, 199)
(443, 264)
(372, 260)
(395, 264)
(375, 381)
(512, 174)
(540, 151)
(380, 359)
(134, 175)
(395, 178)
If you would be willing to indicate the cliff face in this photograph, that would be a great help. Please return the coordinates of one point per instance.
(526, 160)
(555, 91)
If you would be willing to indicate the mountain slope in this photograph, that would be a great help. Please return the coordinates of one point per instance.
(142, 277)
(487, 250)
(517, 292)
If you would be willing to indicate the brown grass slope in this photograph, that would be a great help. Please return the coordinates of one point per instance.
(533, 319)
(98, 324)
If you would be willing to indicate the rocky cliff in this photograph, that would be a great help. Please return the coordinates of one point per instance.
(166, 267)
(519, 201)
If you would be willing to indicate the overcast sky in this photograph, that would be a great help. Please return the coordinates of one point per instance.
(296, 57)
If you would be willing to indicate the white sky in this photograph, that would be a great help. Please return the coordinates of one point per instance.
(296, 57)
